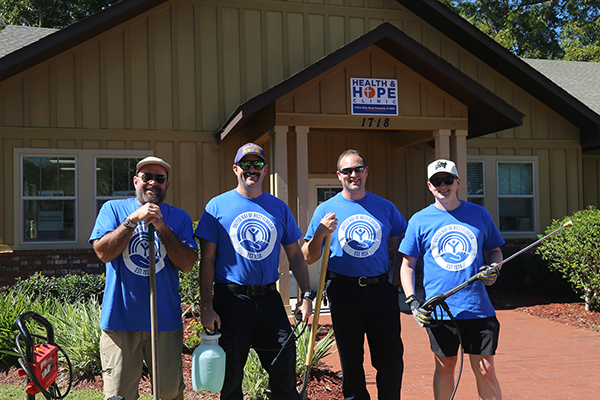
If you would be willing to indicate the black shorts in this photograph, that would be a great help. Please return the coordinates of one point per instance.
(479, 336)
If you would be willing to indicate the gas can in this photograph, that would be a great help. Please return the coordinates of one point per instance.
(208, 364)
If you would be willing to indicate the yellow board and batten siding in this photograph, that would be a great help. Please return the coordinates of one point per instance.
(166, 79)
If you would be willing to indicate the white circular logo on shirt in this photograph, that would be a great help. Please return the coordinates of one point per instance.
(137, 256)
(253, 235)
(360, 235)
(454, 247)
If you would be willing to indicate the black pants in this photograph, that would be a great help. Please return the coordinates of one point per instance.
(373, 311)
(260, 322)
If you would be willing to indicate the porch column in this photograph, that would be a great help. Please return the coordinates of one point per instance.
(302, 176)
(442, 143)
(458, 145)
(279, 189)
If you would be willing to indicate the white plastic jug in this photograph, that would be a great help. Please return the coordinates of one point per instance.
(208, 364)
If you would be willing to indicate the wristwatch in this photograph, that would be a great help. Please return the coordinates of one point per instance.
(309, 294)
(129, 223)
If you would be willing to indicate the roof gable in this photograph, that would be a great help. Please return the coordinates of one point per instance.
(487, 112)
(64, 39)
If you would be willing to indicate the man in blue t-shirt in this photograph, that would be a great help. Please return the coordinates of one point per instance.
(456, 239)
(120, 239)
(363, 301)
(241, 233)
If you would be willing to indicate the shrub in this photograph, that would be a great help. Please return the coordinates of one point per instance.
(189, 285)
(69, 288)
(256, 381)
(574, 252)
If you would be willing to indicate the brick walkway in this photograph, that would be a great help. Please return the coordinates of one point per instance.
(536, 359)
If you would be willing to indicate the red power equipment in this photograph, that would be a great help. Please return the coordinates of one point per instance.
(44, 367)
(39, 362)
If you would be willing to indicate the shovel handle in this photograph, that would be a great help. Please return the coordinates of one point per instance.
(153, 312)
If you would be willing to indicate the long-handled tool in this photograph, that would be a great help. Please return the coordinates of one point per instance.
(153, 314)
(315, 324)
(440, 299)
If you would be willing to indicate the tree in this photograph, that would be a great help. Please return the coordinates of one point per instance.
(554, 29)
(48, 13)
(575, 253)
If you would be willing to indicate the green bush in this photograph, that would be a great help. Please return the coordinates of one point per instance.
(574, 252)
(75, 326)
(189, 286)
(256, 381)
(71, 287)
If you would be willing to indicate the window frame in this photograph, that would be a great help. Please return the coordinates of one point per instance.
(492, 198)
(85, 207)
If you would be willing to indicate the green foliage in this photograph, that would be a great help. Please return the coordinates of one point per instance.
(321, 350)
(256, 381)
(48, 13)
(69, 288)
(189, 285)
(11, 306)
(560, 29)
(18, 393)
(77, 332)
(75, 326)
(575, 253)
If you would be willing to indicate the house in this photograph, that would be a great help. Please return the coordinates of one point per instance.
(403, 81)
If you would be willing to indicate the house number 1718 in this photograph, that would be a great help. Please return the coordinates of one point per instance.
(376, 122)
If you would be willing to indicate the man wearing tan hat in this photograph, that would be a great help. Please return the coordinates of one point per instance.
(456, 239)
(120, 239)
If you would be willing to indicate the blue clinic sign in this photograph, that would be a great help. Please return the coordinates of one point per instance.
(374, 96)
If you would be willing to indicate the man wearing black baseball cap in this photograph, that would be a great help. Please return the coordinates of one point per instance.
(241, 233)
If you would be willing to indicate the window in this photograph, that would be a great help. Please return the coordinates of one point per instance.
(48, 195)
(506, 187)
(114, 179)
(475, 183)
(58, 193)
(515, 196)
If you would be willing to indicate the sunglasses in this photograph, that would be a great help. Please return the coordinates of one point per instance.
(349, 171)
(159, 178)
(448, 180)
(245, 165)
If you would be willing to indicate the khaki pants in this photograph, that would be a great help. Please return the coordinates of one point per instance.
(123, 353)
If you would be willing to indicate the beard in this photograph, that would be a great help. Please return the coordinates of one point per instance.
(143, 197)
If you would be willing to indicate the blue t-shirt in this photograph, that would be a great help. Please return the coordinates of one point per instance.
(249, 234)
(452, 244)
(359, 245)
(126, 303)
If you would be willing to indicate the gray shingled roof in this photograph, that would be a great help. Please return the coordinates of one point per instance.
(580, 79)
(14, 37)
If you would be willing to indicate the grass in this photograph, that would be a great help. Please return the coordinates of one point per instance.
(8, 392)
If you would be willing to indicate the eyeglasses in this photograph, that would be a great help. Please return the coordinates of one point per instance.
(245, 165)
(159, 178)
(448, 180)
(349, 171)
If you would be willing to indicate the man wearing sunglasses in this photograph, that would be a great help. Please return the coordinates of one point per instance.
(120, 239)
(456, 239)
(362, 283)
(241, 233)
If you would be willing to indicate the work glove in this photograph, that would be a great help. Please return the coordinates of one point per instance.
(421, 315)
(488, 275)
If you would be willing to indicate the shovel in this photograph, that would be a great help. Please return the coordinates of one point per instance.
(315, 324)
(153, 316)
